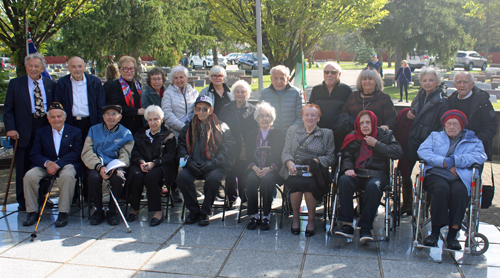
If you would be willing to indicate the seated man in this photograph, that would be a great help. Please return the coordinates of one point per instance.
(107, 142)
(449, 156)
(56, 151)
(208, 146)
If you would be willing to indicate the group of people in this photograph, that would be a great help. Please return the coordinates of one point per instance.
(145, 132)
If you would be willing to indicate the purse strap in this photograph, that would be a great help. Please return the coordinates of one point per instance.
(307, 137)
(492, 175)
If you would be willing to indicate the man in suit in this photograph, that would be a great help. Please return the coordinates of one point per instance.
(56, 151)
(24, 113)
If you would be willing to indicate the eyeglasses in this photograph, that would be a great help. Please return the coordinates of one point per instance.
(114, 114)
(131, 69)
(217, 76)
(332, 72)
(201, 109)
(156, 79)
(265, 116)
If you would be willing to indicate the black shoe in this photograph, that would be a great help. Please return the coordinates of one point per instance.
(62, 219)
(176, 196)
(49, 204)
(453, 244)
(253, 223)
(265, 225)
(365, 236)
(21, 208)
(97, 218)
(204, 220)
(30, 219)
(295, 231)
(113, 218)
(131, 217)
(156, 221)
(192, 218)
(432, 240)
(346, 230)
(400, 100)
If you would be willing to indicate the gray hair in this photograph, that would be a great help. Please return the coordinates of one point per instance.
(177, 69)
(373, 74)
(153, 108)
(35, 56)
(334, 65)
(285, 70)
(471, 76)
(245, 85)
(217, 69)
(430, 70)
(267, 107)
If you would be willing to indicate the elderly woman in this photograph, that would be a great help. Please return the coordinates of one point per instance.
(153, 164)
(415, 124)
(239, 116)
(369, 96)
(286, 99)
(126, 92)
(449, 155)
(218, 90)
(403, 77)
(365, 164)
(154, 91)
(178, 101)
(263, 166)
(312, 148)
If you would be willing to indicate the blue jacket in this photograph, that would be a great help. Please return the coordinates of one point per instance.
(468, 151)
(376, 66)
(404, 75)
(95, 95)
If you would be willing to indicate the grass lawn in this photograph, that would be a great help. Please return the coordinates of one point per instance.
(393, 92)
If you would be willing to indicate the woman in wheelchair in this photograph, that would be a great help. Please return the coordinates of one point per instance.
(449, 156)
(365, 164)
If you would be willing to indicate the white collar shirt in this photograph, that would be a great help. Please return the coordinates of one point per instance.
(31, 88)
(80, 99)
(57, 136)
(466, 97)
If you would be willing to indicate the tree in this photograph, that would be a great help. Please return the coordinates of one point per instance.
(484, 22)
(338, 41)
(288, 24)
(45, 19)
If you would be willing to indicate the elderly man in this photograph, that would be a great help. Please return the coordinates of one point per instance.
(24, 113)
(375, 64)
(475, 104)
(82, 95)
(56, 151)
(286, 99)
(208, 146)
(105, 143)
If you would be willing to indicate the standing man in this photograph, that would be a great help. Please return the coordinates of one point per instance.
(475, 104)
(376, 65)
(185, 61)
(24, 113)
(83, 96)
(56, 150)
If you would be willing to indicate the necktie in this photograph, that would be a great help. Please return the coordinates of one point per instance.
(39, 109)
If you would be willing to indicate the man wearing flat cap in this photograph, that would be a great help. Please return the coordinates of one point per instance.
(56, 151)
(106, 142)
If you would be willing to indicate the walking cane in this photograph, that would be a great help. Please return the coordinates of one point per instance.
(10, 177)
(118, 207)
(52, 179)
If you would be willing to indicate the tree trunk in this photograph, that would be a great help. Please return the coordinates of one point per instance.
(215, 55)
(390, 60)
(21, 54)
(398, 53)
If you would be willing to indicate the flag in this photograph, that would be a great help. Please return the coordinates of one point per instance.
(300, 74)
(31, 48)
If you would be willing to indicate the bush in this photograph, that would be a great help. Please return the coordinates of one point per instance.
(169, 59)
(4, 83)
(363, 53)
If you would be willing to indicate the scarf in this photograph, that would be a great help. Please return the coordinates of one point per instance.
(128, 93)
(211, 134)
(365, 152)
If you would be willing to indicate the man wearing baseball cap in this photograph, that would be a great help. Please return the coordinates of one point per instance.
(106, 142)
(207, 147)
(375, 64)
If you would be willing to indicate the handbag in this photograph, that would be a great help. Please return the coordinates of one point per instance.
(301, 154)
(488, 192)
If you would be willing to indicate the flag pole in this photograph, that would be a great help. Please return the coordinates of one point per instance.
(302, 67)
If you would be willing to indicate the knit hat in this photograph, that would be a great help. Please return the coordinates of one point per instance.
(455, 114)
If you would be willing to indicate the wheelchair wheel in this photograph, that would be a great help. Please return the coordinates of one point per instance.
(479, 244)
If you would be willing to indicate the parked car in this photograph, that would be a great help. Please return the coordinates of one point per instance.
(418, 60)
(232, 58)
(470, 60)
(248, 62)
(206, 61)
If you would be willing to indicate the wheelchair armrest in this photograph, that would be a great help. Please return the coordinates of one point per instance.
(421, 161)
(476, 165)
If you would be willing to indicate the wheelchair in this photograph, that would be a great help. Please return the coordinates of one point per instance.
(391, 201)
(475, 242)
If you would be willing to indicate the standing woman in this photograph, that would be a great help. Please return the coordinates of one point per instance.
(178, 101)
(111, 74)
(404, 78)
(126, 92)
(154, 91)
(238, 115)
(218, 90)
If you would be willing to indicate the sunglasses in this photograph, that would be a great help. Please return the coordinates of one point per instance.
(201, 109)
(332, 72)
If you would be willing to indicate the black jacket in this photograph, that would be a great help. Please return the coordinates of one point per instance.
(482, 119)
(130, 118)
(162, 151)
(275, 141)
(240, 120)
(330, 104)
(378, 165)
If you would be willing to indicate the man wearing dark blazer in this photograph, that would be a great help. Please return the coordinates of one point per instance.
(82, 95)
(56, 151)
(24, 113)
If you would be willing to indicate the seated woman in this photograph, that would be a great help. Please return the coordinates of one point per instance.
(307, 140)
(264, 172)
(365, 164)
(153, 164)
(449, 156)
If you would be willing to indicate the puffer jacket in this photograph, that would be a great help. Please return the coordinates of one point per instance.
(467, 152)
(176, 104)
(288, 106)
(378, 165)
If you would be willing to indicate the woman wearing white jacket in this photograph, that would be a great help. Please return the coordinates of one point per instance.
(178, 100)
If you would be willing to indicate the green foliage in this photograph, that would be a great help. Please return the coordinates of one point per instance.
(4, 76)
(169, 60)
(483, 23)
(362, 52)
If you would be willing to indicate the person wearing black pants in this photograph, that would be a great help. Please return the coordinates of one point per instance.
(403, 77)
(95, 191)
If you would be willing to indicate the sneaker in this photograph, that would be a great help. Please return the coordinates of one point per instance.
(265, 224)
(97, 218)
(253, 223)
(113, 218)
(346, 230)
(176, 196)
(365, 236)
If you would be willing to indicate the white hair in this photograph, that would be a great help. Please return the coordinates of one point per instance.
(334, 65)
(285, 70)
(217, 69)
(471, 76)
(267, 107)
(430, 70)
(35, 56)
(154, 108)
(245, 85)
(177, 69)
